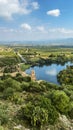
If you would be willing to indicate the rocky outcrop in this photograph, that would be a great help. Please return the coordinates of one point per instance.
(63, 124)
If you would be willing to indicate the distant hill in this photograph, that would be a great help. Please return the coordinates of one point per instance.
(56, 42)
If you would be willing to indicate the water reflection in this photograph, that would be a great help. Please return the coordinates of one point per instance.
(48, 72)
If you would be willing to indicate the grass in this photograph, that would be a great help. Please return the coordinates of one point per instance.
(24, 67)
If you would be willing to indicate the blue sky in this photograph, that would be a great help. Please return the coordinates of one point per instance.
(35, 19)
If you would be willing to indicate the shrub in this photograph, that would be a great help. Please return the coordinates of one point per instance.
(35, 87)
(39, 112)
(60, 101)
(20, 78)
(17, 98)
(71, 110)
(25, 86)
(1, 86)
(4, 116)
(8, 93)
(39, 116)
(12, 84)
(27, 79)
(5, 76)
(26, 112)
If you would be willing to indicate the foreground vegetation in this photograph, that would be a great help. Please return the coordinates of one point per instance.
(17, 105)
(37, 105)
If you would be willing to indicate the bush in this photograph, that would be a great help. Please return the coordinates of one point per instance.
(35, 87)
(52, 112)
(1, 86)
(48, 85)
(8, 93)
(17, 98)
(45, 103)
(25, 86)
(20, 78)
(60, 101)
(39, 112)
(12, 84)
(39, 116)
(4, 116)
(27, 79)
(71, 110)
(26, 112)
(5, 76)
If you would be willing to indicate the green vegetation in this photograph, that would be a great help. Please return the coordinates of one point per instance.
(24, 66)
(34, 104)
(66, 76)
(47, 55)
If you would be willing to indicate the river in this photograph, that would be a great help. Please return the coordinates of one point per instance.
(48, 72)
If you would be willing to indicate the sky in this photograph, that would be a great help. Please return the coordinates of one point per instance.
(33, 20)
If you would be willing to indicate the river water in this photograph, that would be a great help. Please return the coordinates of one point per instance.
(48, 72)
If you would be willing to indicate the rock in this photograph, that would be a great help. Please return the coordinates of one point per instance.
(20, 127)
(65, 123)
(64, 120)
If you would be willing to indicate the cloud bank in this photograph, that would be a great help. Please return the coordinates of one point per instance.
(10, 7)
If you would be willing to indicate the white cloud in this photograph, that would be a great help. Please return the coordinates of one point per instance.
(10, 30)
(65, 31)
(55, 12)
(41, 29)
(10, 7)
(61, 30)
(27, 32)
(26, 26)
(35, 5)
